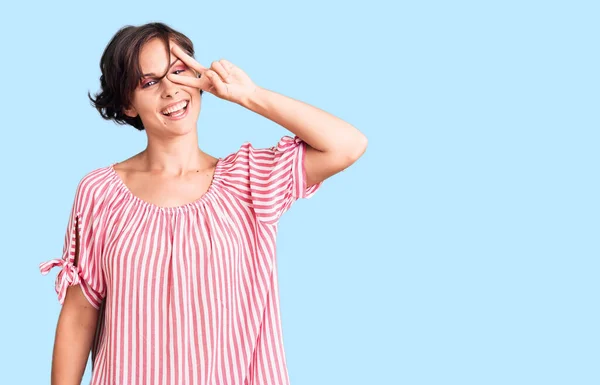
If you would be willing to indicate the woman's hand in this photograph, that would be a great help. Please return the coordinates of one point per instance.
(223, 79)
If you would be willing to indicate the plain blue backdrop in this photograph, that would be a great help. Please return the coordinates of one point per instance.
(462, 248)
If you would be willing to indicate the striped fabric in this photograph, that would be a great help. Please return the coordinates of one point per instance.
(188, 294)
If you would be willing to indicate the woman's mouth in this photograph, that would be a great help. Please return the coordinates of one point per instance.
(179, 111)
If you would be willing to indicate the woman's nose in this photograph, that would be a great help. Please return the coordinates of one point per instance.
(169, 88)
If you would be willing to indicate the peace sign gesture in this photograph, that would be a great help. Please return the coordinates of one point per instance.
(222, 79)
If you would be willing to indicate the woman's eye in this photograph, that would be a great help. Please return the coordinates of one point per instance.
(152, 81)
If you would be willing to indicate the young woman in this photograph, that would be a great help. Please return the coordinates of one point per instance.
(168, 268)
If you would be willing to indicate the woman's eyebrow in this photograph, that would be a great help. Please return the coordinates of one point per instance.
(153, 74)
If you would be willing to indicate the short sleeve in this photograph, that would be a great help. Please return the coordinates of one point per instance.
(79, 262)
(278, 178)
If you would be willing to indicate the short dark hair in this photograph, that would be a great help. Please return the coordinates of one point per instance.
(121, 71)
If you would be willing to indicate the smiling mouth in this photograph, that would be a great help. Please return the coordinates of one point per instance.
(178, 112)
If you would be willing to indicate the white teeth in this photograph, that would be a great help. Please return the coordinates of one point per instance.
(177, 107)
(177, 113)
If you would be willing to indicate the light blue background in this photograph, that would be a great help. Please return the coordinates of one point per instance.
(461, 249)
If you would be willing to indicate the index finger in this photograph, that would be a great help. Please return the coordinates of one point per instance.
(187, 59)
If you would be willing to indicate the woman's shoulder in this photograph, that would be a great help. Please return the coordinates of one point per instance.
(98, 176)
(96, 182)
(247, 150)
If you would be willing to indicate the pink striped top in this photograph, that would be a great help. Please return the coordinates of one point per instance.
(188, 294)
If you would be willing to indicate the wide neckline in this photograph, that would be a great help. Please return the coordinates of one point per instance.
(193, 204)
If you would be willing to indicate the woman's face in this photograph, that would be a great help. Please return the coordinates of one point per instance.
(153, 96)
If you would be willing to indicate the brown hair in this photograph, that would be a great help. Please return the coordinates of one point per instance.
(121, 71)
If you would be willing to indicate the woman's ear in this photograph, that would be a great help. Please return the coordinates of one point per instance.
(131, 112)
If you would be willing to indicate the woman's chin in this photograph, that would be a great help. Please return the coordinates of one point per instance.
(183, 128)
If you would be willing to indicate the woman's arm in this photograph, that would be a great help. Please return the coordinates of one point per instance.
(74, 337)
(333, 143)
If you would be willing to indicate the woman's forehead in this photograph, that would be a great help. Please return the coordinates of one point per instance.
(155, 57)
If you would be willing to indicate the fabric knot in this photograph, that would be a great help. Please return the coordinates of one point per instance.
(287, 142)
(68, 276)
